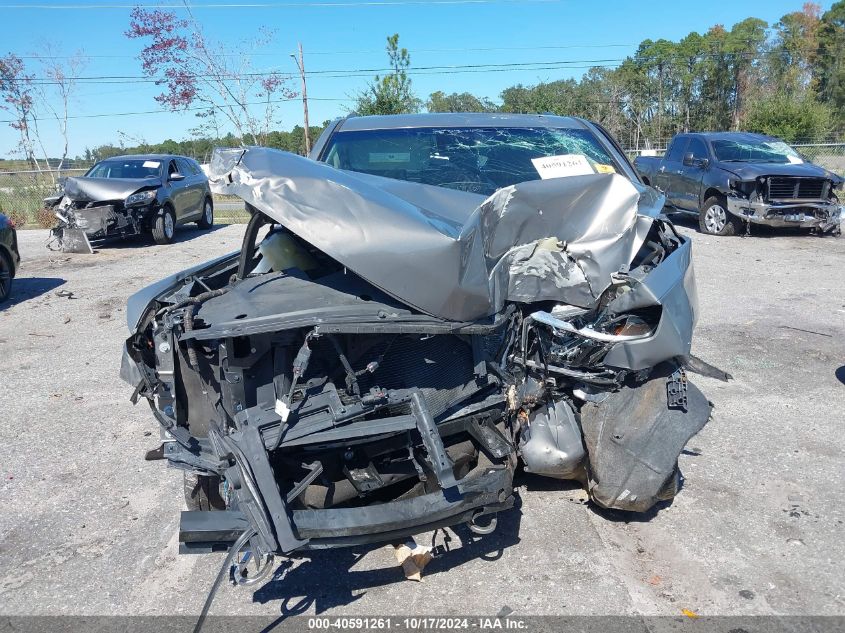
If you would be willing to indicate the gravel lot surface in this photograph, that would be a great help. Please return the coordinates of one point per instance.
(88, 527)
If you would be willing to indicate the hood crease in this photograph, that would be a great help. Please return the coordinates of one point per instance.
(451, 254)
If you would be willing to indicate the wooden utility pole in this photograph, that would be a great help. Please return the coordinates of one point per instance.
(301, 65)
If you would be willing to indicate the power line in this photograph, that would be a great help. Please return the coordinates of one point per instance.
(276, 101)
(483, 49)
(486, 49)
(418, 70)
(349, 72)
(167, 111)
(270, 5)
(326, 73)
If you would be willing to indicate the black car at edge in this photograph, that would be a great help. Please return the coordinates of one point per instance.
(10, 257)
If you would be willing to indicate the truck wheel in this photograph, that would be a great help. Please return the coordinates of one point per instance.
(202, 492)
(207, 219)
(164, 226)
(714, 218)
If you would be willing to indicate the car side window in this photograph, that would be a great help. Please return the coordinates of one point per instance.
(698, 148)
(171, 168)
(675, 153)
(184, 167)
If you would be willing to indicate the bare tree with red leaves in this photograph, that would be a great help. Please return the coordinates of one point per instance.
(194, 70)
(16, 92)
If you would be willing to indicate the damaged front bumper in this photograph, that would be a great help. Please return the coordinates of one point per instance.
(486, 493)
(821, 215)
(336, 471)
(81, 228)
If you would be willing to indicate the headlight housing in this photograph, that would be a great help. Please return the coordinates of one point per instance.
(142, 197)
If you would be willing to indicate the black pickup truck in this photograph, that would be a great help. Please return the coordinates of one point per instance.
(733, 179)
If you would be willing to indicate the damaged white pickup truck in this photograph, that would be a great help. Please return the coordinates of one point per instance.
(437, 299)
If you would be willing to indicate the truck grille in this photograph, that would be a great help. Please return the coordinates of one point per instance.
(786, 188)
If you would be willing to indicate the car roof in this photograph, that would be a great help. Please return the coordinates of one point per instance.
(457, 119)
(161, 157)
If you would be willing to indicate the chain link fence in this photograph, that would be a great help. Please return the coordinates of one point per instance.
(22, 191)
(829, 155)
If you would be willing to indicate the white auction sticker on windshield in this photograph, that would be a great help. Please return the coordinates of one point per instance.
(562, 166)
(151, 163)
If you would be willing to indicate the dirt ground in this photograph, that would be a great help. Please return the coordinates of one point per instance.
(88, 527)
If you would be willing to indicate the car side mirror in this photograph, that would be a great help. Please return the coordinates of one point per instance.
(689, 159)
(176, 177)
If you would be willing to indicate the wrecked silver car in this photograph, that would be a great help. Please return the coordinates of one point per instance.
(130, 195)
(381, 353)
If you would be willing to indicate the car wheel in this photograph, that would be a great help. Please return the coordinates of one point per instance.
(164, 226)
(202, 492)
(207, 219)
(5, 278)
(714, 218)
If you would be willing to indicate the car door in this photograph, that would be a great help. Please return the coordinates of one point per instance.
(177, 189)
(692, 173)
(194, 189)
(670, 167)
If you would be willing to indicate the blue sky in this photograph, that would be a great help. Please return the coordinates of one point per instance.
(351, 35)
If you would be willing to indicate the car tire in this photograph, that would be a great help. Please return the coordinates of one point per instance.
(206, 221)
(715, 219)
(5, 277)
(202, 492)
(164, 226)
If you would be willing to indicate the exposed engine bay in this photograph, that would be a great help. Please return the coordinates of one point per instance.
(380, 355)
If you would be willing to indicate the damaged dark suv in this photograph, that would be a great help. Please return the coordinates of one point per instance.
(130, 195)
(437, 299)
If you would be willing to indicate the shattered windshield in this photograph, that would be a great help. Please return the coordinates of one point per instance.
(755, 151)
(131, 168)
(480, 160)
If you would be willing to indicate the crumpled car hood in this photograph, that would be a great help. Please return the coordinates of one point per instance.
(105, 188)
(749, 171)
(451, 254)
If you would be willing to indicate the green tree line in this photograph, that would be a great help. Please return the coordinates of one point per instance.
(201, 147)
(786, 79)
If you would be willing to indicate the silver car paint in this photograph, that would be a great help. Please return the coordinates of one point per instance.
(452, 254)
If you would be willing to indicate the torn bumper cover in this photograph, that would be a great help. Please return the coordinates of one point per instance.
(379, 363)
(822, 215)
